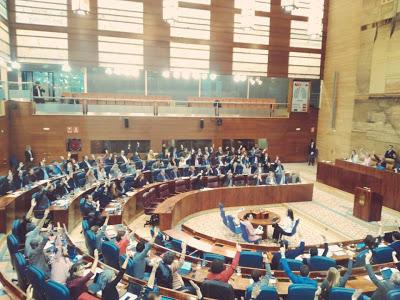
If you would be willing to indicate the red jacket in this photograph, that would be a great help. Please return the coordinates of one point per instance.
(227, 273)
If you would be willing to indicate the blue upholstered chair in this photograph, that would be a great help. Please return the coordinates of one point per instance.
(294, 264)
(339, 293)
(55, 290)
(251, 259)
(12, 246)
(85, 225)
(393, 295)
(176, 245)
(217, 290)
(269, 293)
(110, 253)
(360, 258)
(232, 226)
(37, 278)
(212, 256)
(382, 255)
(321, 263)
(301, 291)
(16, 225)
(90, 241)
(20, 268)
(123, 168)
(395, 246)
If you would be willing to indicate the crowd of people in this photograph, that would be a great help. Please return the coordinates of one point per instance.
(126, 171)
(390, 160)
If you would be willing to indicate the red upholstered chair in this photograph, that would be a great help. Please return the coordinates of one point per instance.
(180, 186)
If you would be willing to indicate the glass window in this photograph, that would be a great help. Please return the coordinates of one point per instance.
(178, 89)
(3, 9)
(43, 12)
(223, 86)
(120, 15)
(304, 65)
(189, 57)
(122, 53)
(299, 36)
(259, 34)
(98, 146)
(42, 46)
(193, 144)
(250, 61)
(271, 87)
(260, 5)
(192, 23)
(100, 82)
(4, 41)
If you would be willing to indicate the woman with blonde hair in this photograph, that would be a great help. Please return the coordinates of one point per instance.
(333, 279)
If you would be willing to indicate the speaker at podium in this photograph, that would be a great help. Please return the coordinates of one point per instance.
(367, 204)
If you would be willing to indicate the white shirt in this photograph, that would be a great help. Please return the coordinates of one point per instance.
(288, 224)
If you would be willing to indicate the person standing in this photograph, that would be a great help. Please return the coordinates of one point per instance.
(312, 152)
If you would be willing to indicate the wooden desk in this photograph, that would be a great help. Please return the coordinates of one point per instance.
(175, 208)
(260, 220)
(16, 205)
(347, 176)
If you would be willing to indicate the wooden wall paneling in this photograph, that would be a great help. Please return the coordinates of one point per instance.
(176, 208)
(4, 142)
(283, 139)
(221, 43)
(279, 36)
(157, 36)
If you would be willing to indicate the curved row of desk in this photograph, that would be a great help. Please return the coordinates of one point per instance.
(175, 207)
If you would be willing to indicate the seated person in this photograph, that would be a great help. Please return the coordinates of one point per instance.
(122, 240)
(297, 279)
(314, 251)
(254, 234)
(139, 180)
(383, 286)
(259, 280)
(289, 253)
(354, 156)
(167, 273)
(173, 173)
(161, 177)
(218, 271)
(228, 179)
(107, 282)
(333, 279)
(390, 153)
(76, 282)
(285, 228)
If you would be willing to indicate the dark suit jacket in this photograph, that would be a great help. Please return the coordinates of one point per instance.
(28, 156)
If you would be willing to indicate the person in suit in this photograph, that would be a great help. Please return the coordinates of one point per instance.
(228, 179)
(312, 153)
(390, 153)
(38, 93)
(314, 251)
(139, 180)
(28, 154)
(85, 164)
(43, 174)
(122, 159)
(290, 253)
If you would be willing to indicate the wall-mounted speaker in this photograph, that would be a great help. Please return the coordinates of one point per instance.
(126, 123)
(219, 122)
(201, 123)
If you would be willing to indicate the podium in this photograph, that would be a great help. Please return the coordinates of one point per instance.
(367, 204)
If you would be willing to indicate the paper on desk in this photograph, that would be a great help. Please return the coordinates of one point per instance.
(334, 248)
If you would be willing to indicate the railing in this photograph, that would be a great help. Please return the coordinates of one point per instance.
(162, 108)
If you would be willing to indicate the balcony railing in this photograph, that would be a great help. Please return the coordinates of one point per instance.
(162, 108)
